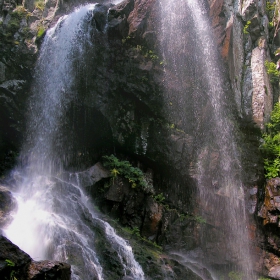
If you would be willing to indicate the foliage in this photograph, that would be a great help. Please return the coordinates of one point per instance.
(40, 32)
(123, 168)
(126, 40)
(13, 25)
(151, 54)
(159, 198)
(197, 219)
(271, 145)
(246, 27)
(136, 231)
(270, 7)
(11, 265)
(235, 275)
(272, 10)
(40, 4)
(133, 231)
(263, 278)
(272, 71)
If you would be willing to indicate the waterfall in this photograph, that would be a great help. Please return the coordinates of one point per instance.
(55, 219)
(194, 64)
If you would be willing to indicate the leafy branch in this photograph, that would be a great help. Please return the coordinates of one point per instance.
(123, 168)
(271, 144)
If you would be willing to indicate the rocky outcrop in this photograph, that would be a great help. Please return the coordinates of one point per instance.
(7, 204)
(132, 100)
(13, 261)
(49, 270)
(269, 214)
(15, 264)
(241, 30)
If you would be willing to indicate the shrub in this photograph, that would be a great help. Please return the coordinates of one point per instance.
(159, 198)
(235, 275)
(272, 71)
(271, 145)
(40, 32)
(123, 168)
(246, 27)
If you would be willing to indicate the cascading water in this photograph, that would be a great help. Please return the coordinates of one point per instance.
(54, 219)
(193, 62)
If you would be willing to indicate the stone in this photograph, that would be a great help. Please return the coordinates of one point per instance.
(152, 220)
(100, 17)
(138, 16)
(2, 72)
(29, 5)
(127, 81)
(93, 175)
(249, 9)
(7, 204)
(14, 260)
(275, 272)
(262, 97)
(49, 270)
(20, 260)
(117, 190)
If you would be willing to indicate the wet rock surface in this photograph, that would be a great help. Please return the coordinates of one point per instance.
(18, 261)
(7, 204)
(17, 264)
(49, 270)
(126, 89)
(269, 214)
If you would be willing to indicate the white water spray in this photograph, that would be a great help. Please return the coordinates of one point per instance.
(53, 219)
(220, 190)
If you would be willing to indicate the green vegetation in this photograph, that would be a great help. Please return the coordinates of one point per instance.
(40, 5)
(151, 55)
(263, 278)
(136, 232)
(272, 71)
(40, 32)
(246, 27)
(123, 168)
(272, 10)
(13, 26)
(159, 198)
(126, 40)
(271, 146)
(235, 275)
(11, 265)
(133, 231)
(197, 219)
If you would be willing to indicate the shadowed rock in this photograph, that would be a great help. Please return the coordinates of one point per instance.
(19, 265)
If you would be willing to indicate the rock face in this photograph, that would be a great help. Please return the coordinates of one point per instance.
(14, 263)
(49, 270)
(7, 204)
(19, 261)
(131, 99)
(269, 212)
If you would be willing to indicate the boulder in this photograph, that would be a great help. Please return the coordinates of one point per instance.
(7, 204)
(16, 264)
(92, 175)
(13, 260)
(270, 209)
(49, 270)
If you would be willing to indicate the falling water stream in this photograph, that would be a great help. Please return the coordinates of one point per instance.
(221, 194)
(50, 207)
(55, 219)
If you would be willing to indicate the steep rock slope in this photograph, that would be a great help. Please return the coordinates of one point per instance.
(131, 91)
